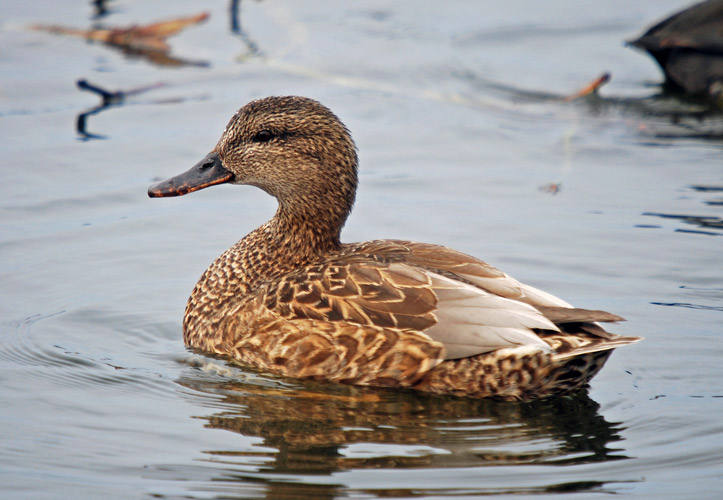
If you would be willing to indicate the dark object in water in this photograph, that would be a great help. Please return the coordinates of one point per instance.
(689, 48)
(109, 99)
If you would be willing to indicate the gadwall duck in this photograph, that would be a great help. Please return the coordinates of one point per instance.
(291, 299)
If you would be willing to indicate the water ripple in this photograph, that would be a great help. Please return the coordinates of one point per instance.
(18, 345)
(688, 305)
(709, 224)
(32, 345)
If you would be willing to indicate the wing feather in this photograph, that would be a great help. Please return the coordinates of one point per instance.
(452, 298)
(473, 321)
(466, 319)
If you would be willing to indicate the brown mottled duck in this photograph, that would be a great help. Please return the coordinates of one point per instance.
(291, 299)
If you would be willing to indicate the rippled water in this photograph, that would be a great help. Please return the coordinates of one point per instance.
(611, 201)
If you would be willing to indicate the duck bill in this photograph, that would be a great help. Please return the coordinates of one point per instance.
(207, 172)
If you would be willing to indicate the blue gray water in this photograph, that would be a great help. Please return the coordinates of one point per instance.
(458, 112)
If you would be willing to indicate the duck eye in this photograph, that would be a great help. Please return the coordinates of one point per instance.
(263, 136)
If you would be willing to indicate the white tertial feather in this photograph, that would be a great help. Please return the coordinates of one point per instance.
(541, 298)
(473, 321)
(507, 286)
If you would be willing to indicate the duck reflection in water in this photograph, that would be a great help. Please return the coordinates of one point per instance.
(314, 427)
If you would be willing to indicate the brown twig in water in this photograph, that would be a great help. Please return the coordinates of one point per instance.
(552, 188)
(590, 88)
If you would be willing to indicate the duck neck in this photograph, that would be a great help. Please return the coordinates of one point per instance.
(288, 241)
(311, 234)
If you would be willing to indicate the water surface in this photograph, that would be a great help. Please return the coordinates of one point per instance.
(611, 202)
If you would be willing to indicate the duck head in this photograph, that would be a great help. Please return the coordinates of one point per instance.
(294, 148)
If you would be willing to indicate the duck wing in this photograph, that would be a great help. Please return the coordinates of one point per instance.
(389, 285)
(577, 328)
(458, 265)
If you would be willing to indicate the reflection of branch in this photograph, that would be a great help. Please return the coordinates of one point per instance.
(253, 49)
(101, 9)
(147, 41)
(80, 123)
(109, 99)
